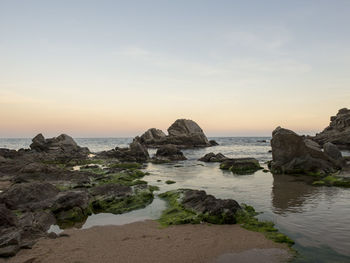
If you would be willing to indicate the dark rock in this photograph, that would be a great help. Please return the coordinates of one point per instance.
(241, 165)
(153, 136)
(135, 153)
(30, 196)
(332, 151)
(213, 143)
(169, 152)
(338, 131)
(112, 190)
(261, 141)
(293, 154)
(62, 145)
(212, 157)
(9, 242)
(7, 217)
(70, 207)
(202, 203)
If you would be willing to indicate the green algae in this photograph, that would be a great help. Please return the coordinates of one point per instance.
(332, 180)
(246, 217)
(69, 218)
(129, 178)
(177, 214)
(126, 165)
(140, 199)
(170, 182)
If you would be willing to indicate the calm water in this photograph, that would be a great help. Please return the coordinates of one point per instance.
(317, 218)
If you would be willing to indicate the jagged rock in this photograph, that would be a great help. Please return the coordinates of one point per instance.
(61, 145)
(152, 136)
(212, 157)
(182, 133)
(30, 196)
(292, 153)
(338, 131)
(168, 153)
(241, 165)
(332, 151)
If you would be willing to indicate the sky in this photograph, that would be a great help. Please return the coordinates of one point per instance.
(116, 68)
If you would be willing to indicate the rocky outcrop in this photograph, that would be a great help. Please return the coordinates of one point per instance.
(29, 196)
(213, 143)
(241, 165)
(182, 133)
(168, 153)
(338, 131)
(136, 152)
(296, 154)
(212, 157)
(61, 145)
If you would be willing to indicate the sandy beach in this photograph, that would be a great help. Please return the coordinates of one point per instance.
(148, 242)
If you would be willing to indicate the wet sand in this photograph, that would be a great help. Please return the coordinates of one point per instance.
(147, 242)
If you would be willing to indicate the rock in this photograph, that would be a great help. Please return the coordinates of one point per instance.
(195, 206)
(168, 153)
(136, 152)
(296, 154)
(182, 133)
(261, 141)
(332, 151)
(212, 157)
(30, 196)
(9, 242)
(152, 136)
(71, 207)
(338, 131)
(7, 217)
(213, 143)
(61, 145)
(241, 165)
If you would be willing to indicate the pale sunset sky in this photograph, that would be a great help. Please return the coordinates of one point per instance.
(116, 68)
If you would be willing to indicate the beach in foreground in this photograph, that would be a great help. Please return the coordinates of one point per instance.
(148, 242)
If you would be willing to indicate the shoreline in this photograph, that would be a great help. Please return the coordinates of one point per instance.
(146, 241)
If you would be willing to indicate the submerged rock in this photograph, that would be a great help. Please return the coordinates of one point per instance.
(182, 133)
(212, 157)
(168, 153)
(295, 154)
(241, 165)
(338, 131)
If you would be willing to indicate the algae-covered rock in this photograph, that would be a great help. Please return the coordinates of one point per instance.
(212, 157)
(241, 165)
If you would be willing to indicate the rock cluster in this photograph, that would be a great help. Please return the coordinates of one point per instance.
(168, 153)
(182, 133)
(338, 131)
(295, 154)
(136, 152)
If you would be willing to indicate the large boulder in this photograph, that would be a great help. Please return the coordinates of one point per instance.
(7, 217)
(168, 153)
(61, 145)
(183, 133)
(338, 131)
(332, 151)
(296, 154)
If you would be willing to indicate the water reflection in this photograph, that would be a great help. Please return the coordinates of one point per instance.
(289, 193)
